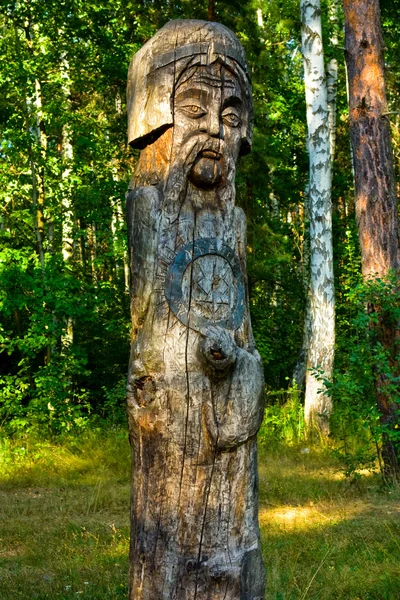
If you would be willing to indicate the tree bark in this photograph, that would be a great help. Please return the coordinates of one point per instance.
(195, 380)
(67, 223)
(321, 341)
(30, 106)
(211, 10)
(375, 187)
(332, 78)
(300, 368)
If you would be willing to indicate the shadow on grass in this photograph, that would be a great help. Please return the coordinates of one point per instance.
(323, 537)
(64, 524)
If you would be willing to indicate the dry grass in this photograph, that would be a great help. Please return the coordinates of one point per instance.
(64, 512)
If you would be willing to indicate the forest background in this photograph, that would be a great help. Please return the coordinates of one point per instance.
(65, 167)
(329, 522)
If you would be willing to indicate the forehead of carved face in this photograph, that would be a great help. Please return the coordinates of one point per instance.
(209, 106)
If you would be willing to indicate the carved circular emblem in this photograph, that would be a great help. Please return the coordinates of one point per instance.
(204, 285)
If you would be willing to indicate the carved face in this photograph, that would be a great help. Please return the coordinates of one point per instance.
(208, 112)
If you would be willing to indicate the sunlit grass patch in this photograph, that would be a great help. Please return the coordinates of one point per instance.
(323, 537)
(94, 455)
(64, 523)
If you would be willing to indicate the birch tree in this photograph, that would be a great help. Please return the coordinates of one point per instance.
(322, 304)
(67, 336)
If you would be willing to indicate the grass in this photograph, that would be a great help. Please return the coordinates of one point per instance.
(325, 538)
(64, 518)
(64, 511)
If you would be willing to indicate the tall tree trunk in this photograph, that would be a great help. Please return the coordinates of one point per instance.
(119, 222)
(375, 187)
(67, 222)
(318, 406)
(36, 155)
(332, 78)
(211, 10)
(29, 108)
(300, 368)
(92, 246)
(41, 141)
(35, 109)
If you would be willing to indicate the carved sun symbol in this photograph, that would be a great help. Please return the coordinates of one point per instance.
(211, 281)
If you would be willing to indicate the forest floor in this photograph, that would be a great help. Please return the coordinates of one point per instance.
(64, 514)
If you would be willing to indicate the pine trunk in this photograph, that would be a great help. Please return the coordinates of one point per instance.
(375, 186)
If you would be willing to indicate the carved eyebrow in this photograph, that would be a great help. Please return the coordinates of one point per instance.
(234, 101)
(197, 93)
(213, 80)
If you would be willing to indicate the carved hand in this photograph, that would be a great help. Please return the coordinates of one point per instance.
(217, 349)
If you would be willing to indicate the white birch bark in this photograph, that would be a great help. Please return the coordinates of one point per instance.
(92, 241)
(67, 213)
(34, 108)
(67, 156)
(118, 216)
(33, 105)
(322, 303)
(120, 222)
(67, 337)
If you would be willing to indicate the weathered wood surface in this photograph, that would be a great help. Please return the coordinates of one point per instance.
(195, 381)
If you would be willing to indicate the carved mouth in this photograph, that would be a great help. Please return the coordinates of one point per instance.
(210, 154)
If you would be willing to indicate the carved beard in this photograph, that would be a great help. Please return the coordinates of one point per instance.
(193, 164)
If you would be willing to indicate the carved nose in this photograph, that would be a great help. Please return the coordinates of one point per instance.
(214, 125)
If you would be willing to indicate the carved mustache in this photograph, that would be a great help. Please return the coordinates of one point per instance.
(211, 154)
(202, 143)
(183, 159)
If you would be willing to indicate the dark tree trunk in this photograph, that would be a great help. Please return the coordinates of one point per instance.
(211, 10)
(375, 187)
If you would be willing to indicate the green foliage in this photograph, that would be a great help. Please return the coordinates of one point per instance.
(283, 419)
(44, 380)
(270, 187)
(64, 308)
(64, 305)
(64, 170)
(356, 421)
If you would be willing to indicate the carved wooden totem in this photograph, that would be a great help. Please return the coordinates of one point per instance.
(195, 382)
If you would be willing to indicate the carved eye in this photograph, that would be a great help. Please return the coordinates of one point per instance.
(231, 118)
(193, 110)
